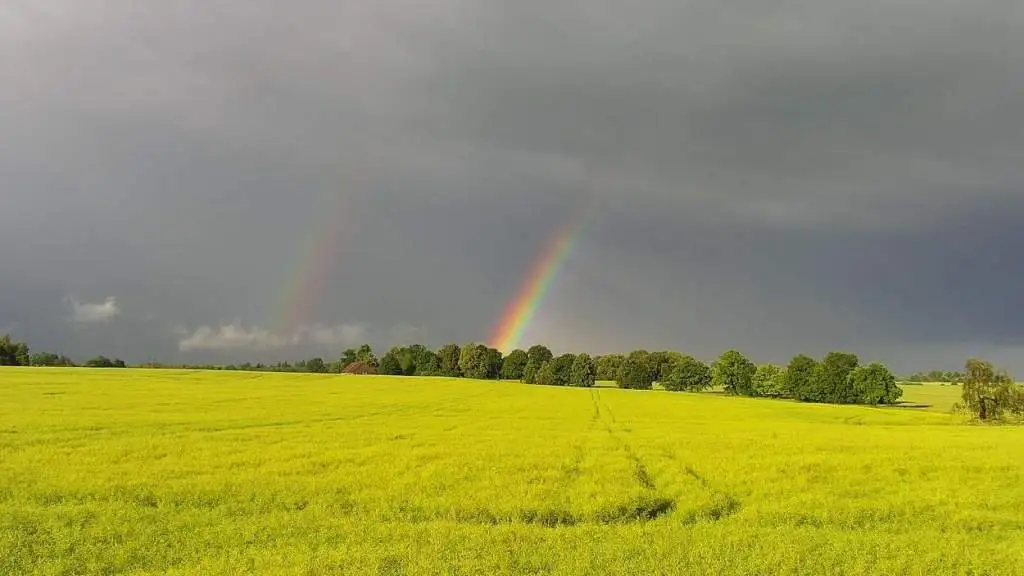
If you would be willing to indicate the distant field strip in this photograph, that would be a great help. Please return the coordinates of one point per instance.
(185, 472)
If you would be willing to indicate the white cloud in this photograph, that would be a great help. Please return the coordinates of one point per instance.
(236, 337)
(232, 336)
(87, 312)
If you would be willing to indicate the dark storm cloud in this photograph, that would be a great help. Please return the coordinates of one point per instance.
(798, 176)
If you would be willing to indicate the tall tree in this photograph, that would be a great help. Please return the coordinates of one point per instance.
(800, 378)
(449, 356)
(417, 359)
(493, 361)
(833, 379)
(987, 394)
(13, 353)
(389, 363)
(539, 354)
(562, 367)
(557, 371)
(688, 374)
(475, 361)
(734, 373)
(348, 357)
(513, 365)
(427, 363)
(584, 371)
(608, 366)
(536, 357)
(532, 370)
(770, 380)
(365, 354)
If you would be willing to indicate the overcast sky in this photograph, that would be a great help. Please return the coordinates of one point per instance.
(203, 180)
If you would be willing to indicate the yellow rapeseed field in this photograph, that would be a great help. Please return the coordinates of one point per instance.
(191, 473)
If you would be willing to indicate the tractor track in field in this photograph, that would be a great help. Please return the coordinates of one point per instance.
(656, 505)
(723, 504)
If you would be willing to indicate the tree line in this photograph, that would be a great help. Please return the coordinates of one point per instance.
(952, 377)
(838, 378)
(17, 354)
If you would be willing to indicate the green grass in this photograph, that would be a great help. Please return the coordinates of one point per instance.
(179, 472)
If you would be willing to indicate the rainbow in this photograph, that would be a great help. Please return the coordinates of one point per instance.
(519, 312)
(324, 238)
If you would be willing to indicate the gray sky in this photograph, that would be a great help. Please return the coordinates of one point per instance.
(797, 177)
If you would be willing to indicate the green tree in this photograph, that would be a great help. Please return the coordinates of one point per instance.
(800, 378)
(833, 378)
(45, 359)
(584, 371)
(546, 374)
(874, 384)
(536, 357)
(493, 361)
(734, 373)
(348, 357)
(770, 380)
(473, 361)
(417, 359)
(406, 358)
(557, 371)
(449, 356)
(21, 355)
(608, 366)
(6, 351)
(365, 354)
(104, 362)
(530, 371)
(539, 354)
(635, 373)
(662, 363)
(390, 364)
(316, 365)
(563, 368)
(428, 364)
(987, 394)
(688, 374)
(513, 365)
(13, 353)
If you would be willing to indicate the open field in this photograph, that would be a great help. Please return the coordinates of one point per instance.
(178, 472)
